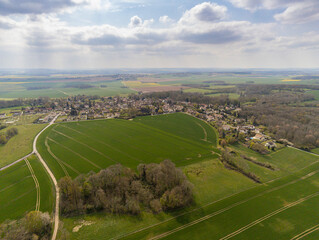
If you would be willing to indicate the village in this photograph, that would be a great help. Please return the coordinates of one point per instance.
(226, 119)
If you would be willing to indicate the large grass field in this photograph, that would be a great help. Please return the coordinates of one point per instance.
(20, 145)
(18, 191)
(225, 201)
(80, 147)
(56, 90)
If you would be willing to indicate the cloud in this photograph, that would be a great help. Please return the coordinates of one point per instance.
(204, 12)
(8, 7)
(165, 19)
(6, 23)
(262, 4)
(295, 12)
(135, 21)
(299, 13)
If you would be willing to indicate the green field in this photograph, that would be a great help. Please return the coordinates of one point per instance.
(56, 90)
(222, 196)
(18, 192)
(316, 150)
(79, 147)
(20, 145)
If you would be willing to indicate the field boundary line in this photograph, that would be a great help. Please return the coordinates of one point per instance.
(101, 142)
(93, 149)
(55, 157)
(37, 185)
(269, 216)
(70, 150)
(221, 210)
(306, 232)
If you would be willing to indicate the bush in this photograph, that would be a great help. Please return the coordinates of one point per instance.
(35, 225)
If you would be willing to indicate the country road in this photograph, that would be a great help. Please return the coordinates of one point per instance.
(57, 192)
(35, 151)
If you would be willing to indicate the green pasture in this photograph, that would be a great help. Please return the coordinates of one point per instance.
(80, 147)
(18, 192)
(56, 90)
(19, 145)
(232, 201)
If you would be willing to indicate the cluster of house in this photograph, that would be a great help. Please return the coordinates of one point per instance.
(84, 108)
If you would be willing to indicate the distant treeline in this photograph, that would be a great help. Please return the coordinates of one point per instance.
(117, 189)
(80, 86)
(37, 88)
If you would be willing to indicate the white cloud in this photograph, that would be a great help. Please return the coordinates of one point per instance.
(165, 19)
(135, 21)
(298, 13)
(204, 12)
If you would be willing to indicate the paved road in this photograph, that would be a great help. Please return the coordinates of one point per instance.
(57, 192)
(15, 162)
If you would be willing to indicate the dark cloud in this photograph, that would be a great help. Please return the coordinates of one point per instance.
(8, 7)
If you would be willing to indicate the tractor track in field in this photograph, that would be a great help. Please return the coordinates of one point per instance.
(306, 232)
(20, 196)
(75, 153)
(89, 147)
(217, 212)
(55, 157)
(37, 185)
(15, 183)
(101, 142)
(204, 130)
(233, 234)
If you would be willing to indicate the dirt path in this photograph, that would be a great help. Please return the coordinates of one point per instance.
(306, 233)
(37, 186)
(15, 162)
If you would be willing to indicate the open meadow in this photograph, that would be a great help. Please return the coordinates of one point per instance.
(25, 187)
(221, 195)
(21, 144)
(80, 147)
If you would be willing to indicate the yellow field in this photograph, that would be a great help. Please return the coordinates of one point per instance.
(138, 84)
(3, 83)
(290, 80)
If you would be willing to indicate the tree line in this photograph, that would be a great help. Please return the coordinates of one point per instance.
(117, 189)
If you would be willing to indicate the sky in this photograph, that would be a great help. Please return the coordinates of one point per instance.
(101, 34)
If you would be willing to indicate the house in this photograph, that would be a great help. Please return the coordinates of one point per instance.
(226, 127)
(271, 145)
(259, 137)
(2, 115)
